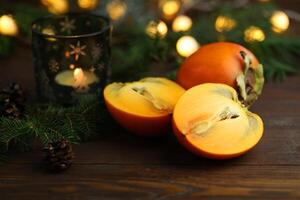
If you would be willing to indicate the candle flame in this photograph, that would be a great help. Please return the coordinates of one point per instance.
(78, 73)
(80, 81)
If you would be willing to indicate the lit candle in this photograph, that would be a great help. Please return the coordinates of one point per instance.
(8, 26)
(182, 23)
(186, 46)
(78, 79)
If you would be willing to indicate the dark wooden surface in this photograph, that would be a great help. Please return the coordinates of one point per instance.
(117, 165)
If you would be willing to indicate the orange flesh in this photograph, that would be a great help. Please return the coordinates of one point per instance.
(164, 92)
(143, 107)
(223, 138)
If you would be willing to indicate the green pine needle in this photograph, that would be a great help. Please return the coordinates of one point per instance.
(46, 123)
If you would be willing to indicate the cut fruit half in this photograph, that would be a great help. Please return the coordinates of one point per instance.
(210, 121)
(143, 107)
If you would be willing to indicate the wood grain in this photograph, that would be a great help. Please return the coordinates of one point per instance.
(117, 165)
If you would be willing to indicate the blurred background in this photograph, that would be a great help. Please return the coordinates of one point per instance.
(154, 36)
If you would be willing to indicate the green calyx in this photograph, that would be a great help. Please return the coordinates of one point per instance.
(250, 82)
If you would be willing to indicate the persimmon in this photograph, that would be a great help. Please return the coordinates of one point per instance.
(227, 63)
(143, 107)
(210, 121)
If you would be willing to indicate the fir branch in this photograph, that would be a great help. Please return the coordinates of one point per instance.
(45, 123)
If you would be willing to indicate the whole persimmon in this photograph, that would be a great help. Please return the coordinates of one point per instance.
(210, 121)
(227, 63)
(143, 107)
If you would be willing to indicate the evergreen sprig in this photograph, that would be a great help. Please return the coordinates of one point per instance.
(47, 122)
(135, 54)
(279, 53)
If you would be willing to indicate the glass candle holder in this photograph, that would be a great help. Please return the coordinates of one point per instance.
(71, 55)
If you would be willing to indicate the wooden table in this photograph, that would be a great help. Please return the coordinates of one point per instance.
(117, 165)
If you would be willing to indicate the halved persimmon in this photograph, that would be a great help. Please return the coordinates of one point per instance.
(210, 121)
(143, 107)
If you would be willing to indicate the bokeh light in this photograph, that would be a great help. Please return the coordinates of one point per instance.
(56, 6)
(157, 29)
(224, 23)
(170, 7)
(254, 34)
(182, 23)
(186, 46)
(280, 21)
(116, 9)
(8, 26)
(87, 4)
(49, 31)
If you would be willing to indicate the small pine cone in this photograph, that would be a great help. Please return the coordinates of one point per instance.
(12, 101)
(10, 109)
(59, 155)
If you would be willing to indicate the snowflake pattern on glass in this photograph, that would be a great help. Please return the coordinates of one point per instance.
(96, 51)
(60, 57)
(77, 50)
(53, 65)
(92, 69)
(100, 67)
(67, 25)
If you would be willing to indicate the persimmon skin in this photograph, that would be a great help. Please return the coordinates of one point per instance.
(218, 62)
(143, 107)
(140, 125)
(191, 148)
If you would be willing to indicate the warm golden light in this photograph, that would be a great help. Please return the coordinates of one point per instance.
(186, 46)
(280, 21)
(170, 7)
(182, 23)
(224, 23)
(253, 34)
(116, 9)
(72, 66)
(157, 29)
(8, 26)
(87, 4)
(49, 31)
(56, 6)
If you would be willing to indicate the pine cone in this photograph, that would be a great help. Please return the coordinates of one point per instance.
(59, 155)
(12, 101)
